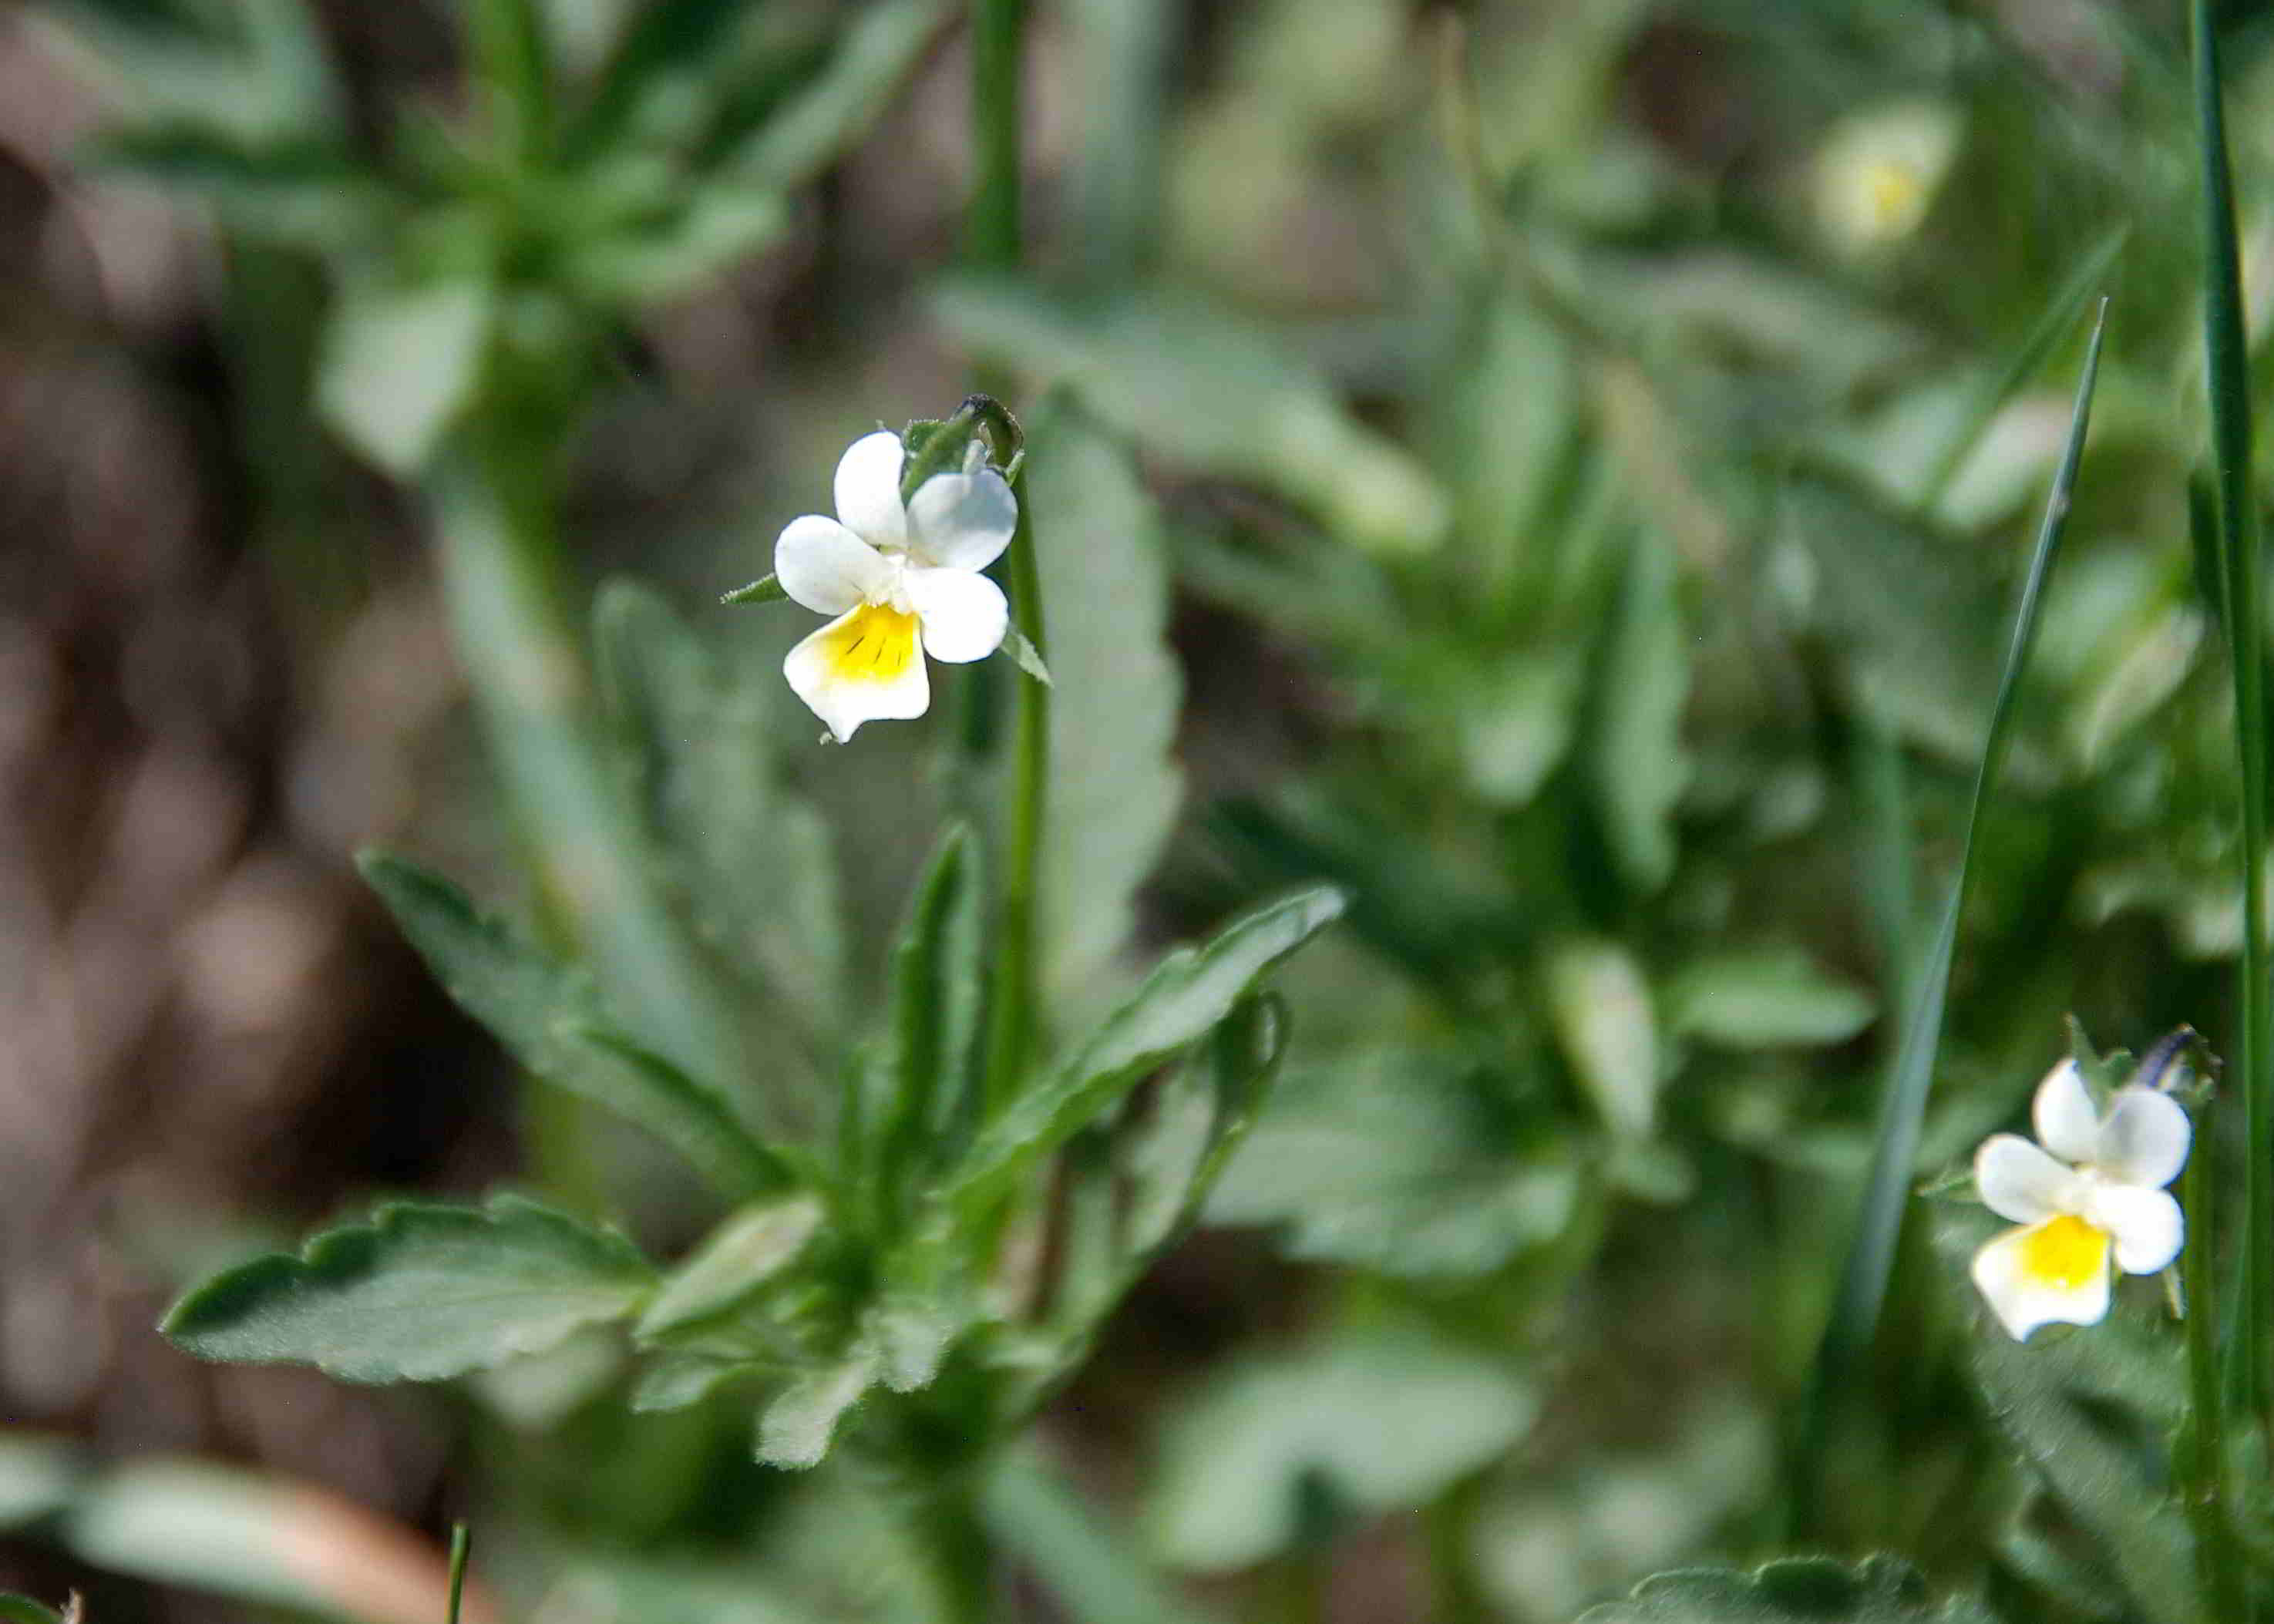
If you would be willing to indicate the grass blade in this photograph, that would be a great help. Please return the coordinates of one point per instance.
(1863, 1288)
(1989, 394)
(2226, 358)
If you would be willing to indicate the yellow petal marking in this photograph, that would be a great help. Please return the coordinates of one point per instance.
(2066, 1253)
(874, 644)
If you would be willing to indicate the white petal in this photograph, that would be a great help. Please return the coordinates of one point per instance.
(868, 490)
(2066, 1120)
(2147, 1224)
(2145, 1140)
(2023, 1300)
(964, 615)
(2016, 1180)
(962, 521)
(844, 698)
(827, 567)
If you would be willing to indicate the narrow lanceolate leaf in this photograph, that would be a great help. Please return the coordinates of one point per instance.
(1864, 1279)
(1187, 994)
(1881, 1589)
(2227, 357)
(738, 1259)
(1114, 785)
(875, 53)
(1638, 767)
(797, 1427)
(750, 863)
(550, 1017)
(302, 190)
(938, 977)
(419, 1294)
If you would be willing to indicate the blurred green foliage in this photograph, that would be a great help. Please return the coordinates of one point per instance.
(1558, 473)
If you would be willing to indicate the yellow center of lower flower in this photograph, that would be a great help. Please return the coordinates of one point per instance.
(2066, 1251)
(874, 645)
(1894, 197)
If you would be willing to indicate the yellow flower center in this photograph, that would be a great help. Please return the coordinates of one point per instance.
(874, 645)
(1894, 197)
(2066, 1253)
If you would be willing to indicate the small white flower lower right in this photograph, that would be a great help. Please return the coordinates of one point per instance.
(2089, 1194)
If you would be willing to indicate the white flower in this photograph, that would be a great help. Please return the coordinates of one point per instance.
(1877, 175)
(893, 577)
(2096, 1189)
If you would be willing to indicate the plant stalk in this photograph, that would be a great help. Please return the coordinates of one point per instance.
(1011, 1023)
(960, 1553)
(2202, 1448)
(995, 242)
(998, 35)
(2227, 372)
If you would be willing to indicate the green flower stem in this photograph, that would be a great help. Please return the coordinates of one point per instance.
(1011, 1030)
(2200, 1451)
(2226, 355)
(504, 581)
(994, 242)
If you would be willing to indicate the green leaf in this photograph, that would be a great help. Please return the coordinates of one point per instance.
(1187, 994)
(798, 1425)
(298, 190)
(1813, 1590)
(550, 1017)
(938, 978)
(739, 1258)
(751, 863)
(1601, 1008)
(675, 1381)
(1114, 786)
(420, 1293)
(1401, 1160)
(1635, 755)
(1212, 391)
(667, 41)
(1371, 1423)
(840, 100)
(400, 364)
(1912, 613)
(1764, 998)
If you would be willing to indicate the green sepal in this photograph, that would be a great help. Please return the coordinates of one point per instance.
(766, 590)
(421, 1293)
